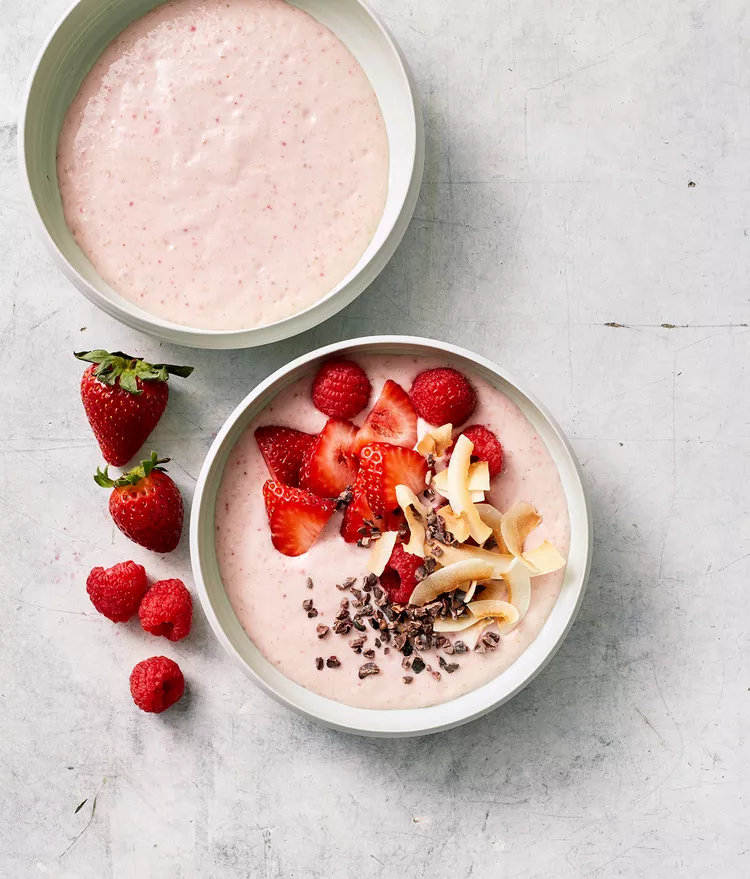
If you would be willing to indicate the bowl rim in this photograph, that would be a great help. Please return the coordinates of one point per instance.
(327, 306)
(358, 725)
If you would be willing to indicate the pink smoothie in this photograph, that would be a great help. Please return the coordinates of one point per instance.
(266, 589)
(225, 162)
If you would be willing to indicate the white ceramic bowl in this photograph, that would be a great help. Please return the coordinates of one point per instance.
(400, 722)
(70, 51)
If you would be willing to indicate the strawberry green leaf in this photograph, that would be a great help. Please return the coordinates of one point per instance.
(116, 365)
(132, 477)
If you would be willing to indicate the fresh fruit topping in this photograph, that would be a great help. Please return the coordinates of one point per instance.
(436, 442)
(443, 395)
(156, 683)
(329, 465)
(124, 397)
(341, 389)
(167, 609)
(116, 592)
(385, 466)
(357, 514)
(283, 449)
(381, 552)
(391, 420)
(296, 517)
(145, 504)
(486, 447)
(405, 566)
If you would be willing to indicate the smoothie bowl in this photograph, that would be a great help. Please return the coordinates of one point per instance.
(221, 173)
(390, 536)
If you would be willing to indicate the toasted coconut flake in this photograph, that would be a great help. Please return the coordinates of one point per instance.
(436, 442)
(518, 580)
(494, 590)
(457, 525)
(449, 555)
(449, 578)
(497, 610)
(476, 480)
(477, 497)
(470, 591)
(458, 488)
(520, 520)
(448, 624)
(413, 507)
(543, 559)
(471, 636)
(381, 552)
(479, 476)
(494, 518)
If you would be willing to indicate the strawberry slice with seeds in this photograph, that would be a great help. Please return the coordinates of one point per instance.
(329, 466)
(356, 512)
(296, 517)
(383, 467)
(391, 420)
(283, 449)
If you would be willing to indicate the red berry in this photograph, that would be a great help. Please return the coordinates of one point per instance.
(340, 389)
(117, 591)
(296, 517)
(486, 447)
(329, 465)
(124, 397)
(400, 576)
(167, 609)
(383, 467)
(146, 505)
(283, 449)
(156, 683)
(443, 396)
(356, 512)
(391, 420)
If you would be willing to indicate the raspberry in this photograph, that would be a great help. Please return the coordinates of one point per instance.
(167, 609)
(117, 591)
(443, 396)
(400, 576)
(156, 683)
(341, 389)
(486, 447)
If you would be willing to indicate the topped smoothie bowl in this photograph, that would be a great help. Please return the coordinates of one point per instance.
(390, 536)
(221, 173)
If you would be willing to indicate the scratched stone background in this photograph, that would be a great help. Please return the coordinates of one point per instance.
(584, 222)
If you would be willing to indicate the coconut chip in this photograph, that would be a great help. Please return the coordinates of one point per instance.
(470, 592)
(413, 507)
(476, 477)
(449, 555)
(436, 442)
(448, 624)
(498, 610)
(381, 552)
(458, 489)
(518, 580)
(543, 559)
(449, 578)
(457, 525)
(493, 517)
(520, 520)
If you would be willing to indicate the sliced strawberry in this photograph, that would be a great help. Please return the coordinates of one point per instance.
(400, 576)
(296, 517)
(283, 449)
(329, 465)
(356, 512)
(385, 466)
(391, 420)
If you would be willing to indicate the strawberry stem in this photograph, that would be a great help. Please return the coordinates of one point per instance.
(117, 365)
(132, 477)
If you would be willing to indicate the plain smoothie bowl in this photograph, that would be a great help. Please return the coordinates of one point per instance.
(225, 172)
(390, 532)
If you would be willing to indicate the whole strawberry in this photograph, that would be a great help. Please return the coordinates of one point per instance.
(167, 609)
(117, 591)
(124, 398)
(145, 504)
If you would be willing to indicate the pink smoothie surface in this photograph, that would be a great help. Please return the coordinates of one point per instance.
(266, 589)
(225, 162)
